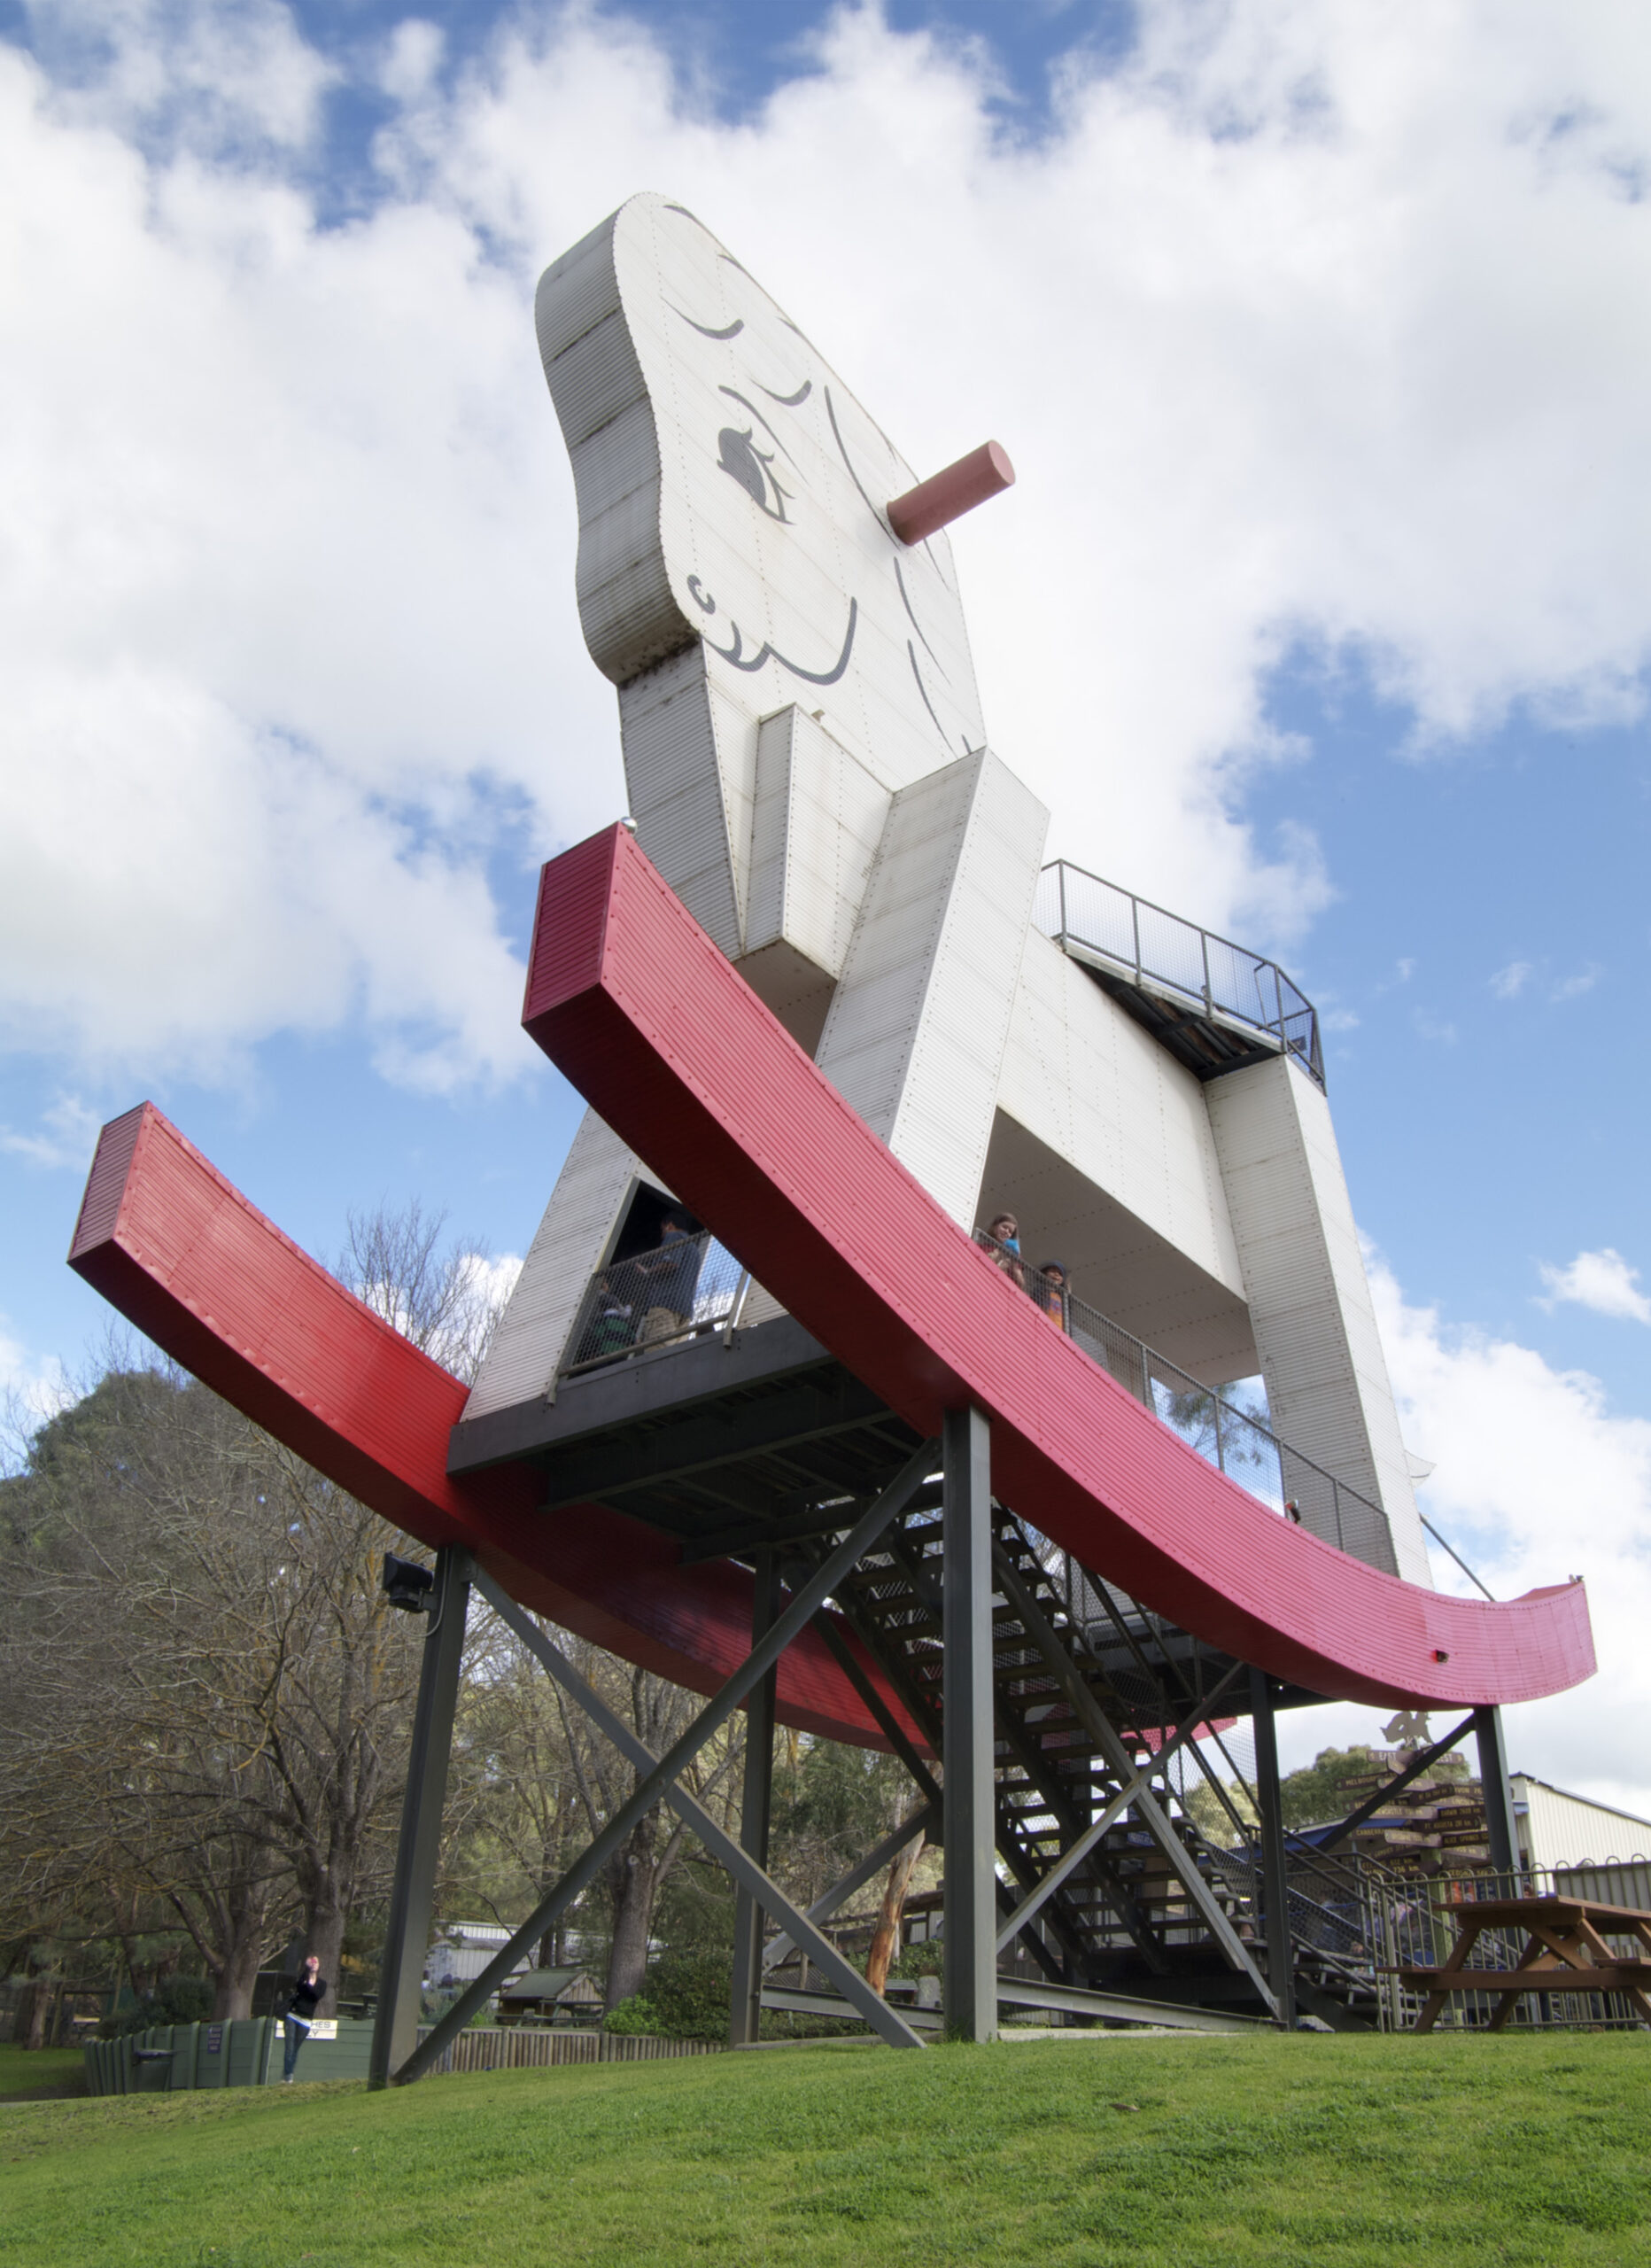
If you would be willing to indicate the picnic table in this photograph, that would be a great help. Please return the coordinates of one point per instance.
(1565, 1951)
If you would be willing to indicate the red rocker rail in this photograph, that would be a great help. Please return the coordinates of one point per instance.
(630, 998)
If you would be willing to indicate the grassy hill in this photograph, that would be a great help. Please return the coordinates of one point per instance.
(1111, 2152)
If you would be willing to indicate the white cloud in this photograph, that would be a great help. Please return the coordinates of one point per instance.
(1538, 1479)
(68, 1135)
(1601, 1280)
(1509, 982)
(33, 1387)
(1572, 988)
(1298, 328)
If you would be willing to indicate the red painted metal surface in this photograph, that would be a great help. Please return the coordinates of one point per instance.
(946, 496)
(633, 1001)
(180, 1253)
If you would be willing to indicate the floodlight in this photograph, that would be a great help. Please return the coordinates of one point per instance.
(405, 1584)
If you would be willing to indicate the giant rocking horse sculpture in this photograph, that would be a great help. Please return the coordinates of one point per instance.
(806, 997)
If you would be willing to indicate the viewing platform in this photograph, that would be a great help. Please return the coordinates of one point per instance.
(1216, 1006)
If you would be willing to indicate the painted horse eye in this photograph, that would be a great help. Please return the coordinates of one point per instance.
(749, 466)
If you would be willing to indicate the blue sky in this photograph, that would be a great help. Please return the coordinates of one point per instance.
(1321, 611)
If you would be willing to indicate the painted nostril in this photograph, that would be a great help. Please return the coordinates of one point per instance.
(945, 496)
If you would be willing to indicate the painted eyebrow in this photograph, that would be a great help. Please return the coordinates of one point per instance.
(734, 394)
(705, 330)
(788, 400)
(917, 625)
(831, 411)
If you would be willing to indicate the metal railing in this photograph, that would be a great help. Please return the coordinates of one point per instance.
(682, 1288)
(1228, 1436)
(1161, 949)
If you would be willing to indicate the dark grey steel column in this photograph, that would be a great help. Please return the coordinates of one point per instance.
(745, 2016)
(1274, 1884)
(968, 1731)
(1502, 1829)
(407, 1940)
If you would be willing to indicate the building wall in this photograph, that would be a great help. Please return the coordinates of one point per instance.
(1097, 1091)
(1309, 1299)
(919, 1024)
(1559, 1829)
(572, 1242)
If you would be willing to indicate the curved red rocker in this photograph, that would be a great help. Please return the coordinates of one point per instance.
(632, 1000)
(634, 1003)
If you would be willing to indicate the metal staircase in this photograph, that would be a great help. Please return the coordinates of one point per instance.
(1093, 1698)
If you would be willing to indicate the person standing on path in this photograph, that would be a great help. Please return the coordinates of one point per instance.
(307, 1995)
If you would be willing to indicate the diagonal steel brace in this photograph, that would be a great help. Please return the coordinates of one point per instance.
(1117, 1805)
(716, 1840)
(652, 1786)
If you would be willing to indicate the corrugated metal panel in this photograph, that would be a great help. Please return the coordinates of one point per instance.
(202, 1271)
(917, 1031)
(817, 826)
(576, 291)
(1083, 1077)
(681, 1057)
(676, 786)
(573, 1238)
(804, 585)
(1326, 1381)
(1558, 1829)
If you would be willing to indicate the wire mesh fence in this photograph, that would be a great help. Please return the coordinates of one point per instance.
(684, 1286)
(1160, 947)
(1225, 1434)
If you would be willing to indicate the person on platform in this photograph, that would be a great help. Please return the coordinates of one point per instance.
(672, 1275)
(1001, 1238)
(1048, 1289)
(307, 1995)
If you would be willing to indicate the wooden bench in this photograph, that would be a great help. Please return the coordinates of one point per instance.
(1565, 1951)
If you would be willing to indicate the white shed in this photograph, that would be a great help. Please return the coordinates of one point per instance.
(1559, 1829)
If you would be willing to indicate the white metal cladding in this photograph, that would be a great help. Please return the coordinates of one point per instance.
(800, 589)
(1099, 1091)
(1327, 1382)
(916, 1034)
(676, 791)
(1115, 1261)
(802, 732)
(1559, 1829)
(572, 1242)
(818, 823)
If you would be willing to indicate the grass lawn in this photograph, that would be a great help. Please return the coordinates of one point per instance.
(47, 2071)
(1111, 2152)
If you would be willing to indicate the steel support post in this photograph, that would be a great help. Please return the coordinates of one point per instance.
(968, 1731)
(746, 2011)
(406, 1940)
(1274, 1883)
(655, 1778)
(1502, 1831)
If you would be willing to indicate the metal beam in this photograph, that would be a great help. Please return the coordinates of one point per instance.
(923, 1822)
(656, 1780)
(412, 1896)
(746, 2002)
(1498, 1792)
(716, 1840)
(785, 1417)
(1095, 1721)
(1116, 1805)
(1281, 1954)
(968, 1730)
